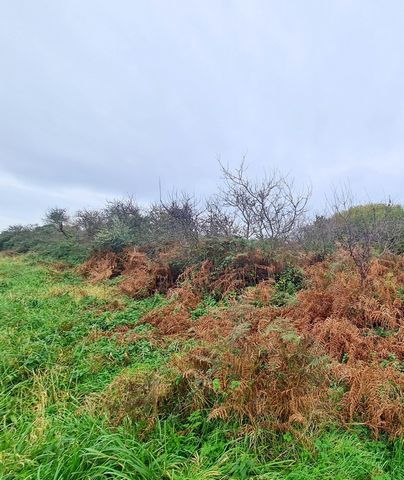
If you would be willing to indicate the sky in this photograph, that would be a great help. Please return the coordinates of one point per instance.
(101, 98)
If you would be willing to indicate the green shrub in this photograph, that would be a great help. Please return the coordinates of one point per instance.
(45, 241)
(114, 238)
(287, 285)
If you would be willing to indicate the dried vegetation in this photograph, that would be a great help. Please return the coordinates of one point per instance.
(333, 354)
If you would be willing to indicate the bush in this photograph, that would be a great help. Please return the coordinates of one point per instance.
(287, 285)
(114, 238)
(46, 241)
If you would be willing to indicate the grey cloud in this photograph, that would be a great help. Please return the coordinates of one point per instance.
(103, 98)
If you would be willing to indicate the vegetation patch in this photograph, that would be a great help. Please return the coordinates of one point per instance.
(245, 367)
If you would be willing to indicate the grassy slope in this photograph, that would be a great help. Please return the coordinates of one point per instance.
(51, 367)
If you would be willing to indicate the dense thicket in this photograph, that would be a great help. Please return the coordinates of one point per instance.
(269, 211)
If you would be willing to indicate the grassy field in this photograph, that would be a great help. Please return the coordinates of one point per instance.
(55, 366)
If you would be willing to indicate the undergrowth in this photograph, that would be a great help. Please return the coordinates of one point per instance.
(78, 360)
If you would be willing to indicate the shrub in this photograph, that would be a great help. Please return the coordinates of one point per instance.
(45, 241)
(114, 237)
(287, 285)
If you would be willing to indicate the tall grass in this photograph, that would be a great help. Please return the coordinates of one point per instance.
(58, 353)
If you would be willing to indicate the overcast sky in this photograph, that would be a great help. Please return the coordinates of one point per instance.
(99, 98)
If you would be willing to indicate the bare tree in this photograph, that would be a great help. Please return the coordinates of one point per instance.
(126, 211)
(267, 208)
(216, 221)
(176, 218)
(57, 217)
(90, 221)
(365, 229)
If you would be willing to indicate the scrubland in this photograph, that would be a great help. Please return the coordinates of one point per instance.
(241, 339)
(248, 365)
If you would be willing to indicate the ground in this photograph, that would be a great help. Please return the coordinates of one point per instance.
(58, 360)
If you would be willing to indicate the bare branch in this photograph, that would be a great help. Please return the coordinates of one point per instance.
(269, 208)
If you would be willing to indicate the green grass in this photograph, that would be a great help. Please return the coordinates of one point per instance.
(53, 363)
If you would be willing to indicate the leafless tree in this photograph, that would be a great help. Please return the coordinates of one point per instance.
(267, 208)
(365, 229)
(176, 218)
(216, 221)
(90, 221)
(59, 218)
